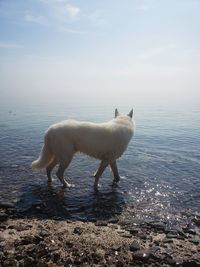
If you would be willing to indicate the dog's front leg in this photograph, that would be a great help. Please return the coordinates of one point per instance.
(99, 172)
(115, 172)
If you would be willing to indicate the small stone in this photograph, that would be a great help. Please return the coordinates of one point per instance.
(170, 260)
(157, 242)
(68, 262)
(3, 226)
(3, 216)
(157, 225)
(44, 233)
(190, 263)
(2, 239)
(134, 246)
(133, 231)
(194, 241)
(69, 244)
(126, 235)
(1, 255)
(4, 205)
(169, 235)
(166, 240)
(113, 220)
(78, 230)
(196, 221)
(116, 247)
(22, 227)
(143, 236)
(101, 223)
(142, 255)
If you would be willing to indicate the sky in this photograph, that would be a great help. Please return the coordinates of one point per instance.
(108, 52)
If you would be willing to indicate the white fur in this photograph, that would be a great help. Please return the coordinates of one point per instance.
(105, 141)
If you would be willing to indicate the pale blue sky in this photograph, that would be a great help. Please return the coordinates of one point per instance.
(101, 52)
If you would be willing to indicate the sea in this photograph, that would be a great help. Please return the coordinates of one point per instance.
(160, 170)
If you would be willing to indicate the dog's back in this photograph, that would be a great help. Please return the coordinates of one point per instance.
(99, 140)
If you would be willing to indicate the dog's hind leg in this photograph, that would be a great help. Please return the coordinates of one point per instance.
(99, 172)
(115, 172)
(64, 163)
(49, 169)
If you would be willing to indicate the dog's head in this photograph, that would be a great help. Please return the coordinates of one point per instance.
(129, 115)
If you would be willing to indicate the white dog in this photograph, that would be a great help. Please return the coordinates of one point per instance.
(104, 141)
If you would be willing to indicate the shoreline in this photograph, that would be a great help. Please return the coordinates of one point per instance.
(115, 242)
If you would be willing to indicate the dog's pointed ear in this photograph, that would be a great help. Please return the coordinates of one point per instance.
(130, 114)
(116, 112)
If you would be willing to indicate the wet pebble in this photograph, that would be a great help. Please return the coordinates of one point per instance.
(126, 235)
(195, 241)
(134, 246)
(196, 221)
(6, 205)
(133, 231)
(101, 223)
(22, 227)
(78, 230)
(44, 233)
(170, 235)
(142, 235)
(3, 216)
(142, 255)
(113, 220)
(159, 226)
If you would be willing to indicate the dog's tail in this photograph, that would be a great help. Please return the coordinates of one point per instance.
(45, 157)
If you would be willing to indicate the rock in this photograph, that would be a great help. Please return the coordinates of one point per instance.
(194, 241)
(69, 244)
(142, 235)
(3, 226)
(157, 242)
(22, 227)
(2, 239)
(169, 235)
(153, 251)
(190, 263)
(166, 240)
(3, 216)
(119, 263)
(6, 205)
(134, 246)
(170, 260)
(126, 235)
(196, 221)
(116, 247)
(27, 261)
(113, 220)
(142, 255)
(11, 263)
(56, 256)
(157, 225)
(1, 255)
(96, 257)
(78, 230)
(68, 262)
(101, 223)
(133, 231)
(44, 233)
(27, 240)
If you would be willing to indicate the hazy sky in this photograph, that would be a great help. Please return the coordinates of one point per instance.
(100, 52)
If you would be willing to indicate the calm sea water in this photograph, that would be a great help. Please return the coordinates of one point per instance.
(160, 171)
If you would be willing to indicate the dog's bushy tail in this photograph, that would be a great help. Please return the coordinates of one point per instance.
(45, 157)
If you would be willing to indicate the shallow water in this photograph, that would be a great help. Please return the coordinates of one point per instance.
(160, 176)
